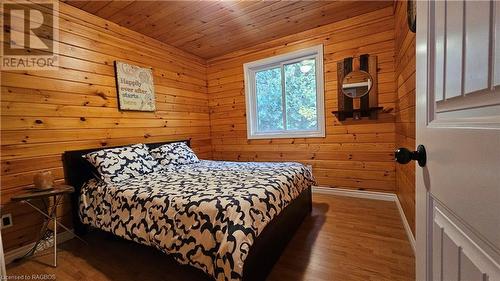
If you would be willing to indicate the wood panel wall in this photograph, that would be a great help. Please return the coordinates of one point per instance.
(405, 109)
(45, 113)
(354, 154)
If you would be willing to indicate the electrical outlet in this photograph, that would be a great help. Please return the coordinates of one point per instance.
(7, 221)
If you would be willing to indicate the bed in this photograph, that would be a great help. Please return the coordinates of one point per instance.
(229, 219)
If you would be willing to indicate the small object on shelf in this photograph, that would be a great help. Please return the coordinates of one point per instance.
(357, 114)
(43, 181)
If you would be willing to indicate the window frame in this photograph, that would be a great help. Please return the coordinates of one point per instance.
(251, 68)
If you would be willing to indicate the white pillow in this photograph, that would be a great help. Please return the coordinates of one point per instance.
(122, 163)
(174, 154)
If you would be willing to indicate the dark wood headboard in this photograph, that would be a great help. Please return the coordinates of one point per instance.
(77, 171)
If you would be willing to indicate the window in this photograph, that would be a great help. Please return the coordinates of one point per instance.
(284, 95)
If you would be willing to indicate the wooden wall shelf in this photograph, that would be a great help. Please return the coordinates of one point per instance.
(357, 114)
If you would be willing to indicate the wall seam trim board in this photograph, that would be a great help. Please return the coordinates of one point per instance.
(374, 196)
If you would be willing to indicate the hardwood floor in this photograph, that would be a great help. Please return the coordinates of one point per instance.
(348, 239)
(344, 239)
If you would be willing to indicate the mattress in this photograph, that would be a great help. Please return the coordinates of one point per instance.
(207, 214)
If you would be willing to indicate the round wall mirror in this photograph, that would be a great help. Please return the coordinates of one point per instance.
(357, 84)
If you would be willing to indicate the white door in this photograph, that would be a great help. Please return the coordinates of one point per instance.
(458, 122)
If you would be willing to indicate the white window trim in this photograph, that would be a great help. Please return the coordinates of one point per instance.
(251, 68)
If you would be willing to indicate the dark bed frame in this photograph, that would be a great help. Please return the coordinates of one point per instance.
(267, 247)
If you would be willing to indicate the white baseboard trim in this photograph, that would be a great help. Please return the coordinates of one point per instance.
(354, 193)
(406, 225)
(371, 195)
(21, 251)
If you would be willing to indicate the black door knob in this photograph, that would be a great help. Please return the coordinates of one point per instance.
(404, 156)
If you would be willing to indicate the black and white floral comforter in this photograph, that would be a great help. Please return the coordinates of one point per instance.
(206, 214)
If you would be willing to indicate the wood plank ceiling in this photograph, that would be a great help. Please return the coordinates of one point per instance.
(213, 28)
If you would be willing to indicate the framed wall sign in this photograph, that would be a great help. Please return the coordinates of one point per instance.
(135, 87)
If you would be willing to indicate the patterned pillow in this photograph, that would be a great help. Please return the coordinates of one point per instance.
(173, 154)
(121, 163)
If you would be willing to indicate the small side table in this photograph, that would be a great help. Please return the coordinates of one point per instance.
(57, 193)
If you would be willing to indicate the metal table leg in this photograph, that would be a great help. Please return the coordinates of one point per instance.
(44, 230)
(55, 231)
(48, 216)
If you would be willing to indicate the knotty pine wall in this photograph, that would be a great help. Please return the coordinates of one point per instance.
(354, 154)
(405, 109)
(45, 113)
